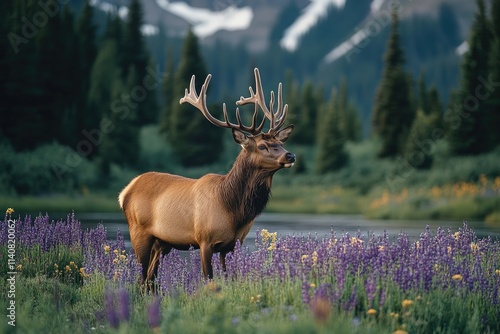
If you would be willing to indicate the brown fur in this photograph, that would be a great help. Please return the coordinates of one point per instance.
(211, 213)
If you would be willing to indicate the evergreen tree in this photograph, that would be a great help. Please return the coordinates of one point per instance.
(423, 96)
(134, 55)
(52, 77)
(121, 145)
(350, 124)
(22, 124)
(418, 150)
(471, 136)
(195, 141)
(87, 46)
(307, 111)
(393, 113)
(103, 87)
(493, 102)
(331, 141)
(169, 97)
(292, 98)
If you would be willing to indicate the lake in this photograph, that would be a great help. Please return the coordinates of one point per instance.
(304, 224)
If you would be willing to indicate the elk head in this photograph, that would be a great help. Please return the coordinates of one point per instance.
(265, 149)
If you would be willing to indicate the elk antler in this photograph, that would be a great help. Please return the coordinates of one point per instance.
(277, 119)
(200, 102)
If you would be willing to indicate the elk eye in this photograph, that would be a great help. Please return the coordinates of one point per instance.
(262, 147)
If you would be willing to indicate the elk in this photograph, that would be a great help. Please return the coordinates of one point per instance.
(166, 211)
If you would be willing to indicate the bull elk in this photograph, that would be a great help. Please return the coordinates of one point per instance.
(211, 213)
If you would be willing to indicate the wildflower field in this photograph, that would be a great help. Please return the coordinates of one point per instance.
(70, 280)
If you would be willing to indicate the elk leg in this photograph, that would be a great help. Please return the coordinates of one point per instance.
(223, 260)
(206, 253)
(142, 244)
(159, 248)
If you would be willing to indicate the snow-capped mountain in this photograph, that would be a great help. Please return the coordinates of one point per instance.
(249, 23)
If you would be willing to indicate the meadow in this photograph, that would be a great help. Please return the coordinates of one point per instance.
(70, 280)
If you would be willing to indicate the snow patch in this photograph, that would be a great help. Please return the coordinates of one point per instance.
(316, 10)
(206, 22)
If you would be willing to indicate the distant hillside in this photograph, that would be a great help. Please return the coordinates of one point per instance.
(251, 34)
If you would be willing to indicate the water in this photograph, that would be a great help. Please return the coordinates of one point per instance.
(305, 224)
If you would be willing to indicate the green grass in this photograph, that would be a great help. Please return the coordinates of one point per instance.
(242, 306)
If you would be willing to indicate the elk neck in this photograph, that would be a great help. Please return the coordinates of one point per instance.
(246, 189)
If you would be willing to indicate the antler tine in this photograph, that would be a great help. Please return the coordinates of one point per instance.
(199, 102)
(276, 118)
(282, 111)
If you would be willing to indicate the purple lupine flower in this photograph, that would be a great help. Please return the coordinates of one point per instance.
(154, 313)
(306, 298)
(110, 307)
(123, 311)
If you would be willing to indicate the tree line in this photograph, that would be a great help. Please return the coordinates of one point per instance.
(91, 87)
(408, 124)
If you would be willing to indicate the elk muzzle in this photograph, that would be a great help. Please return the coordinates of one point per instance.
(290, 160)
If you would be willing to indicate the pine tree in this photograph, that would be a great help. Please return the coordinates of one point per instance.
(135, 55)
(103, 86)
(393, 113)
(121, 145)
(305, 132)
(423, 96)
(418, 148)
(331, 141)
(470, 137)
(195, 141)
(169, 97)
(292, 98)
(493, 102)
(350, 124)
(87, 45)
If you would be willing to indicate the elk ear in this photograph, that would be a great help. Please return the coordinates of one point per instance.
(240, 137)
(283, 134)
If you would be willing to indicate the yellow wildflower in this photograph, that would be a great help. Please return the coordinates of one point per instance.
(304, 258)
(457, 277)
(483, 179)
(474, 247)
(19, 267)
(314, 257)
(394, 315)
(356, 241)
(106, 249)
(381, 248)
(497, 272)
(331, 243)
(371, 311)
(407, 303)
(67, 268)
(448, 249)
(9, 211)
(123, 257)
(271, 247)
(456, 235)
(312, 285)
(116, 251)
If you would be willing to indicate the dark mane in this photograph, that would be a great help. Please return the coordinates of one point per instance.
(246, 190)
